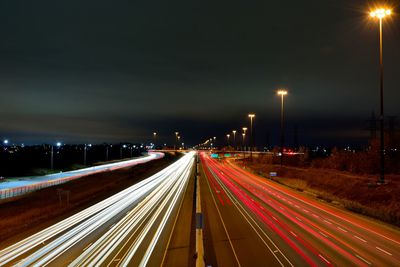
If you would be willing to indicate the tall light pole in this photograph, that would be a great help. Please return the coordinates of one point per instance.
(234, 139)
(215, 140)
(251, 116)
(282, 93)
(380, 14)
(244, 138)
(155, 138)
(179, 138)
(176, 139)
(227, 138)
(58, 144)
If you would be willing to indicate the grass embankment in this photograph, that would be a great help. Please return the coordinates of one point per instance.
(353, 192)
(35, 211)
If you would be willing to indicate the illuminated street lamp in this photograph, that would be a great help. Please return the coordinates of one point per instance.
(58, 144)
(251, 116)
(282, 93)
(227, 138)
(5, 142)
(234, 139)
(244, 143)
(380, 14)
(155, 138)
(176, 139)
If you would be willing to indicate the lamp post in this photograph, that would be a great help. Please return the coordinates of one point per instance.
(215, 140)
(155, 138)
(234, 139)
(227, 138)
(282, 93)
(380, 14)
(251, 116)
(176, 139)
(58, 144)
(244, 138)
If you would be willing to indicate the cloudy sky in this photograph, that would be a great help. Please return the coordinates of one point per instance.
(94, 71)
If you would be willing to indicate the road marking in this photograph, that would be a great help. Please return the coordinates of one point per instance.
(390, 254)
(341, 229)
(298, 218)
(281, 208)
(112, 226)
(315, 215)
(274, 218)
(323, 234)
(293, 233)
(322, 257)
(87, 247)
(297, 206)
(306, 210)
(363, 240)
(327, 221)
(364, 260)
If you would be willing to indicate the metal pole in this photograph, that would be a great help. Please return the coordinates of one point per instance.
(382, 143)
(106, 152)
(282, 129)
(251, 138)
(84, 155)
(51, 157)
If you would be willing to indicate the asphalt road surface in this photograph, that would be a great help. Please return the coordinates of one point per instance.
(131, 228)
(250, 221)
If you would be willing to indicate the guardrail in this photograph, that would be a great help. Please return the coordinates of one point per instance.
(20, 190)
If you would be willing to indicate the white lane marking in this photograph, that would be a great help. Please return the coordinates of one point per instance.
(341, 229)
(359, 238)
(298, 218)
(323, 234)
(293, 233)
(87, 247)
(281, 208)
(112, 226)
(364, 260)
(327, 221)
(381, 249)
(306, 210)
(274, 218)
(315, 215)
(322, 257)
(297, 206)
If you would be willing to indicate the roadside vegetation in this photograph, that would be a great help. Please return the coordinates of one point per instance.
(346, 179)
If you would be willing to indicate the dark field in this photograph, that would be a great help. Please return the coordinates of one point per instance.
(35, 211)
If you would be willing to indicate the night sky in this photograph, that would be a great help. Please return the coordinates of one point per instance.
(111, 71)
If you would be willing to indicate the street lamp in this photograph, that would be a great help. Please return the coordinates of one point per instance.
(58, 144)
(5, 142)
(244, 143)
(251, 116)
(155, 138)
(282, 93)
(176, 139)
(380, 14)
(227, 138)
(244, 138)
(234, 139)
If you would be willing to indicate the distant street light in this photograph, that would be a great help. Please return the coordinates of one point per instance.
(251, 116)
(155, 138)
(244, 138)
(227, 138)
(380, 14)
(234, 139)
(244, 143)
(176, 140)
(58, 144)
(5, 142)
(282, 93)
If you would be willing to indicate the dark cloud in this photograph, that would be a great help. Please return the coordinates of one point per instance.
(120, 70)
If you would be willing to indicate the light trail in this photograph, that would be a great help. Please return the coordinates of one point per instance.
(302, 222)
(153, 197)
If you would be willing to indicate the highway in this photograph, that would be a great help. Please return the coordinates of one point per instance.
(131, 228)
(251, 221)
(17, 186)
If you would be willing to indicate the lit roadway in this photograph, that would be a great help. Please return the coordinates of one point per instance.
(33, 180)
(131, 228)
(250, 221)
